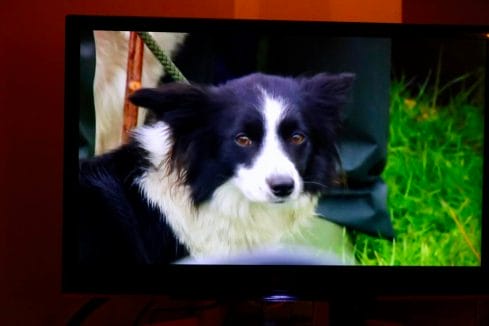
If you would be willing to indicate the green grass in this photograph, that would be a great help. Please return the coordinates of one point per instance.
(434, 179)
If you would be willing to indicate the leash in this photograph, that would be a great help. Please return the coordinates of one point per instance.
(134, 74)
(133, 82)
(170, 68)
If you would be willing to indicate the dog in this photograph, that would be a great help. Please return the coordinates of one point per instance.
(221, 171)
(111, 52)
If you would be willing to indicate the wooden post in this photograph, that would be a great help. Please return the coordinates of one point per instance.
(133, 83)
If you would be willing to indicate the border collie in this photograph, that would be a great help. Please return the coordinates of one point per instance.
(222, 170)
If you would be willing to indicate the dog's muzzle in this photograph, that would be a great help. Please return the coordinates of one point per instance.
(280, 185)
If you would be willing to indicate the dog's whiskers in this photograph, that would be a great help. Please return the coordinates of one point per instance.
(315, 183)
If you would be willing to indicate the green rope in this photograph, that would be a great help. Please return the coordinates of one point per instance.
(166, 62)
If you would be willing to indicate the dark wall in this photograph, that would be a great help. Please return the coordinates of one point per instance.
(470, 12)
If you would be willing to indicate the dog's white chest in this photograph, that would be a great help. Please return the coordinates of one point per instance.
(228, 224)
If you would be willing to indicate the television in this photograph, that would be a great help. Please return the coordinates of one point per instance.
(404, 213)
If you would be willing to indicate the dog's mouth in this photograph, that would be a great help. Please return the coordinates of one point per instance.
(268, 198)
(279, 201)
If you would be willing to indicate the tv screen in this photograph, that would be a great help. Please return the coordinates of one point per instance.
(229, 157)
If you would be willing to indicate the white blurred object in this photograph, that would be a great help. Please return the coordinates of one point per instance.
(320, 242)
(286, 255)
(111, 51)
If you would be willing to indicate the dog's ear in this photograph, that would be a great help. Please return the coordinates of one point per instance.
(323, 96)
(186, 108)
(328, 90)
(183, 106)
(170, 97)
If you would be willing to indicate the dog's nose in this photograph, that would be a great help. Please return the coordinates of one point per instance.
(281, 185)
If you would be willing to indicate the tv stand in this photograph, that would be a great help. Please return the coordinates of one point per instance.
(288, 310)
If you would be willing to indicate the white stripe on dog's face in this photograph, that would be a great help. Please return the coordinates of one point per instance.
(272, 169)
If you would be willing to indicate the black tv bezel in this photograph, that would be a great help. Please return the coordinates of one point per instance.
(212, 281)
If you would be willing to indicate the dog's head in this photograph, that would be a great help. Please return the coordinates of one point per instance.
(271, 137)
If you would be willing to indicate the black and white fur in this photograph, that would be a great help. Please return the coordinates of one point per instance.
(222, 170)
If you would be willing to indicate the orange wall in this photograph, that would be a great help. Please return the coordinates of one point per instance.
(333, 10)
(31, 128)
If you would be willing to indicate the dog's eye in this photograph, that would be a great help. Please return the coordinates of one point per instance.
(243, 140)
(297, 139)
